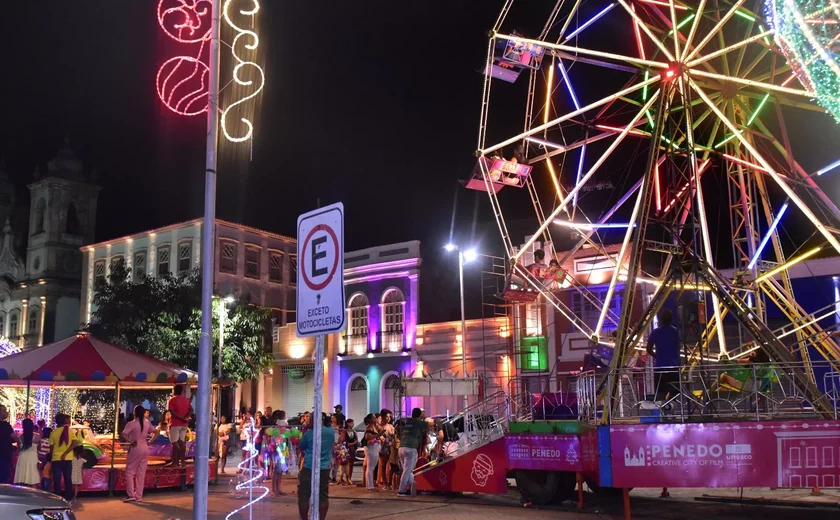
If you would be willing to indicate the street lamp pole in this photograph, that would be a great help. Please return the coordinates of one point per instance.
(463, 329)
(205, 349)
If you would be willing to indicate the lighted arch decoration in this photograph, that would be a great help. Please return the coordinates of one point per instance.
(238, 48)
(808, 32)
(182, 81)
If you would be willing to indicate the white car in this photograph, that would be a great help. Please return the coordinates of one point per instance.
(23, 503)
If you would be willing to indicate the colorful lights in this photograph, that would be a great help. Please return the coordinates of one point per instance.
(810, 45)
(758, 108)
(182, 81)
(767, 237)
(828, 168)
(588, 227)
(579, 173)
(789, 264)
(682, 23)
(7, 348)
(241, 66)
(589, 22)
(249, 475)
(568, 84)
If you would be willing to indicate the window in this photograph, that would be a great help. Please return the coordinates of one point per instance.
(588, 308)
(393, 304)
(98, 273)
(115, 261)
(275, 266)
(228, 256)
(358, 330)
(33, 322)
(139, 268)
(393, 314)
(71, 222)
(40, 212)
(533, 319)
(13, 324)
(292, 269)
(163, 260)
(275, 334)
(184, 257)
(358, 384)
(392, 382)
(2, 324)
(252, 262)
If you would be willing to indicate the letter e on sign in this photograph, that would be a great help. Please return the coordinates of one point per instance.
(320, 276)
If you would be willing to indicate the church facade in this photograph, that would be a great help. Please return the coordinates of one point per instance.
(40, 260)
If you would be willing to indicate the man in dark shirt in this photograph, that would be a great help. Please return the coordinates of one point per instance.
(664, 347)
(412, 439)
(7, 437)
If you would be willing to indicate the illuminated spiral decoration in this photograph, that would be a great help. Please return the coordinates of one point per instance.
(250, 473)
(243, 66)
(808, 32)
(182, 81)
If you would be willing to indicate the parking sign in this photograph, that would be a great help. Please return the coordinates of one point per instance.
(320, 276)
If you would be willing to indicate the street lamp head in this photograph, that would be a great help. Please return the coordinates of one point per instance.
(450, 247)
(229, 299)
(470, 255)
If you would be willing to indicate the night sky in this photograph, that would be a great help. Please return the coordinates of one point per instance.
(372, 103)
(360, 106)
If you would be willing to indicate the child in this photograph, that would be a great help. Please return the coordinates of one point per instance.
(394, 462)
(44, 457)
(78, 464)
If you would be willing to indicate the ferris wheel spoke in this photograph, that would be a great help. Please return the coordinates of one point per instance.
(675, 27)
(647, 30)
(570, 115)
(583, 180)
(716, 30)
(725, 50)
(691, 32)
(751, 83)
(780, 181)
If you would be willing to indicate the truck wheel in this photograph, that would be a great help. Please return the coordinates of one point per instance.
(566, 484)
(604, 492)
(537, 487)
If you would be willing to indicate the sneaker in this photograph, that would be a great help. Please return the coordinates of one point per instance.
(129, 499)
(401, 494)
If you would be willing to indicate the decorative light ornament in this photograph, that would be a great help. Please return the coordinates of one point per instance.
(242, 65)
(807, 33)
(7, 348)
(249, 475)
(182, 81)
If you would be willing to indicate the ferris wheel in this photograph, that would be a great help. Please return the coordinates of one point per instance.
(683, 115)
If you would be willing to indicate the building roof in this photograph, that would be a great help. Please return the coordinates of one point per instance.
(194, 221)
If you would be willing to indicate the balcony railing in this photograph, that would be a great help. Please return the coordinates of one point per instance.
(355, 344)
(391, 341)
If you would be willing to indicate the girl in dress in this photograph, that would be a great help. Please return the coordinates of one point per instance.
(26, 471)
(78, 466)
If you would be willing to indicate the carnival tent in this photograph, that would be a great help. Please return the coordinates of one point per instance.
(84, 361)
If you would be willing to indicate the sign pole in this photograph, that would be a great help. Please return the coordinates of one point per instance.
(320, 308)
(317, 425)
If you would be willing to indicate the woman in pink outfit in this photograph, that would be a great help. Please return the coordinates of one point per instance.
(137, 433)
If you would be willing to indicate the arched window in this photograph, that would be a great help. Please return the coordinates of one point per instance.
(40, 213)
(357, 332)
(71, 223)
(389, 395)
(3, 324)
(393, 316)
(357, 398)
(14, 316)
(33, 322)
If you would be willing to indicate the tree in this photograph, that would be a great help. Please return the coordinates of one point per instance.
(161, 317)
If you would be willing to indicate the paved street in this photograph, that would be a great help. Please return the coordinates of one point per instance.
(355, 503)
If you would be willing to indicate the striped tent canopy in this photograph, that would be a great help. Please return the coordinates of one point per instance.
(83, 360)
